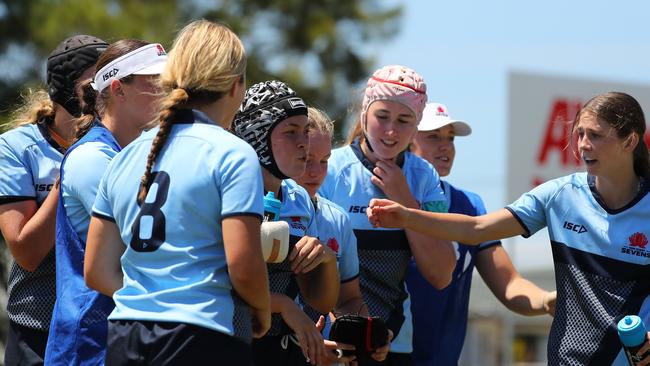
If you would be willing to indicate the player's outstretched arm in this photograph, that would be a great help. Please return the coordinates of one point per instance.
(471, 230)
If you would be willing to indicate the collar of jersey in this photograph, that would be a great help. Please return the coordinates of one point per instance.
(189, 116)
(356, 149)
(42, 128)
(643, 190)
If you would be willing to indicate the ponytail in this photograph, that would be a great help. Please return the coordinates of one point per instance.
(88, 99)
(642, 160)
(169, 106)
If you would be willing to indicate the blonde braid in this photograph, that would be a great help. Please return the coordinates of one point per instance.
(169, 106)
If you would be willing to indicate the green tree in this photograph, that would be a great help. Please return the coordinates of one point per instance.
(315, 46)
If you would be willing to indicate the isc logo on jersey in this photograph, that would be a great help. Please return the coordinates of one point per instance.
(43, 187)
(574, 227)
(358, 209)
(636, 245)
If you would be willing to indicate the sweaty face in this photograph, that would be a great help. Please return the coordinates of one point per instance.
(390, 127)
(320, 148)
(437, 147)
(290, 143)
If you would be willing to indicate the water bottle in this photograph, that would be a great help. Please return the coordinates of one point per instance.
(632, 333)
(271, 207)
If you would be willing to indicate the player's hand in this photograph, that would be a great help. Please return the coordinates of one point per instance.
(261, 322)
(389, 177)
(643, 350)
(335, 349)
(549, 302)
(308, 253)
(381, 352)
(386, 213)
(310, 339)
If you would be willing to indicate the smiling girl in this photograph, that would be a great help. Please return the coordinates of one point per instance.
(376, 163)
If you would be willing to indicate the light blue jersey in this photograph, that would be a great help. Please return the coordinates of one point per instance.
(79, 327)
(384, 254)
(335, 231)
(174, 265)
(298, 211)
(602, 265)
(29, 166)
(78, 190)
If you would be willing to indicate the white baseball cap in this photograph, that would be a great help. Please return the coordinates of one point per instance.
(146, 60)
(436, 116)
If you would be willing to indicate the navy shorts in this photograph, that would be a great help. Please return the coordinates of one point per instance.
(25, 346)
(272, 351)
(133, 342)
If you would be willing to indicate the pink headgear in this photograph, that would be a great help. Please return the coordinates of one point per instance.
(399, 84)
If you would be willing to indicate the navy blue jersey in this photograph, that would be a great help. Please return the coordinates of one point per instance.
(384, 254)
(174, 264)
(79, 326)
(440, 316)
(28, 169)
(602, 265)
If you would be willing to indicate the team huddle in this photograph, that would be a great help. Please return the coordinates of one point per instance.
(132, 201)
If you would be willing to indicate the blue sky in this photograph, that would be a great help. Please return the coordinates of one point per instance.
(465, 49)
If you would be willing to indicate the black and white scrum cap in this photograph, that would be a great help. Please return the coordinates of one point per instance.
(146, 60)
(265, 105)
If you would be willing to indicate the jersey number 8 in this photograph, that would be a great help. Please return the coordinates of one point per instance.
(148, 230)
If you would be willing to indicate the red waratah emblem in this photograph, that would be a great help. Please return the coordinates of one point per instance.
(161, 50)
(638, 240)
(441, 110)
(333, 244)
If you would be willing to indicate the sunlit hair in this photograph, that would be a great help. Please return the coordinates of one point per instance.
(36, 107)
(355, 131)
(204, 62)
(625, 116)
(93, 105)
(319, 122)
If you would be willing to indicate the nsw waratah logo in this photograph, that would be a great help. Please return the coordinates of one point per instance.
(638, 240)
(636, 245)
(333, 244)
